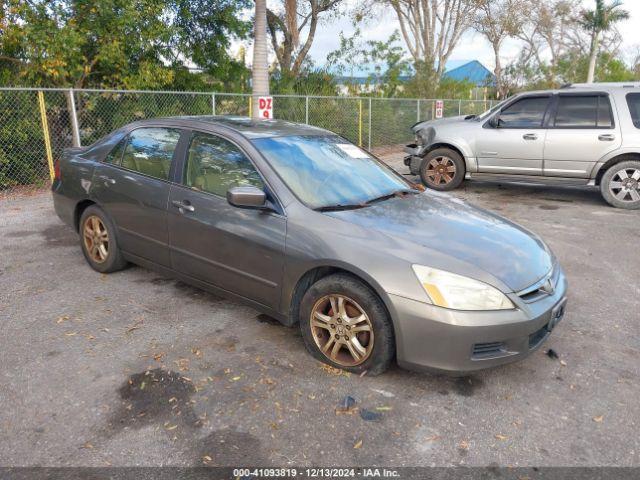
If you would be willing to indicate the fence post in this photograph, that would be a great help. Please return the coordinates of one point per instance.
(369, 124)
(460, 107)
(417, 110)
(45, 133)
(250, 107)
(306, 109)
(360, 123)
(213, 103)
(73, 116)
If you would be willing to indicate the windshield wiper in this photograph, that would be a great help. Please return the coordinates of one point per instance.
(339, 206)
(397, 193)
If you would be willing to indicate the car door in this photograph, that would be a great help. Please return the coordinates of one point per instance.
(132, 185)
(581, 132)
(238, 250)
(512, 142)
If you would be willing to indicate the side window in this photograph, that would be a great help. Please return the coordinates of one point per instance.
(150, 150)
(524, 113)
(583, 111)
(115, 155)
(633, 101)
(214, 165)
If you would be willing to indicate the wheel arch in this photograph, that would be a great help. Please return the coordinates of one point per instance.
(318, 272)
(623, 157)
(450, 146)
(79, 210)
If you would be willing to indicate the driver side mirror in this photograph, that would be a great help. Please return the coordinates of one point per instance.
(494, 122)
(247, 197)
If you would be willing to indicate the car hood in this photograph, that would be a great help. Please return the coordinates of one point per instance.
(438, 122)
(441, 231)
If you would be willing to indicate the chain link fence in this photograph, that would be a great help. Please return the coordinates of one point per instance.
(34, 122)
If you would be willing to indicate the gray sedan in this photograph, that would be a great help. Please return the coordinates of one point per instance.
(312, 230)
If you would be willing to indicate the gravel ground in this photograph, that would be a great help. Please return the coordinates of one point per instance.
(136, 369)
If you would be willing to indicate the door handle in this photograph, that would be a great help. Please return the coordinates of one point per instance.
(183, 206)
(108, 181)
(607, 137)
(530, 136)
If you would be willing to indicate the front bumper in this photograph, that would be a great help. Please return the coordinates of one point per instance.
(456, 342)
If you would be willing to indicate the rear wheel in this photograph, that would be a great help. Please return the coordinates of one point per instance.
(442, 169)
(620, 185)
(98, 241)
(345, 324)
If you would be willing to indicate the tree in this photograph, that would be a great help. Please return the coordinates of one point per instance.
(385, 61)
(260, 67)
(595, 22)
(547, 35)
(285, 31)
(431, 30)
(497, 20)
(117, 43)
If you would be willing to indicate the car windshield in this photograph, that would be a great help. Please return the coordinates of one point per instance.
(328, 172)
(493, 109)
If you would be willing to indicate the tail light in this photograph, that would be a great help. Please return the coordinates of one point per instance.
(56, 170)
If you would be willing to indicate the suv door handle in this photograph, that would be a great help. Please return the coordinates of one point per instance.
(607, 137)
(183, 206)
(530, 136)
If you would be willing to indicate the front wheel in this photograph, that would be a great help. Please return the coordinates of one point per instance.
(442, 169)
(620, 185)
(345, 324)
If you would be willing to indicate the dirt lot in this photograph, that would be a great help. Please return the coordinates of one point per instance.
(137, 369)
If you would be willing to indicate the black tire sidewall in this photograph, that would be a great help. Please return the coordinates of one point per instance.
(347, 285)
(114, 260)
(455, 158)
(606, 179)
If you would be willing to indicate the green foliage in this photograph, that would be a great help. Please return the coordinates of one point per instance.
(385, 61)
(132, 44)
(573, 68)
(310, 82)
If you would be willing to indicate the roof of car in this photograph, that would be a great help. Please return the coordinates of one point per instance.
(587, 87)
(246, 126)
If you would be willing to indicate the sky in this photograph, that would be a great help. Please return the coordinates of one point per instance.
(472, 46)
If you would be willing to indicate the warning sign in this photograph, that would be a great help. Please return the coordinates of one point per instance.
(265, 107)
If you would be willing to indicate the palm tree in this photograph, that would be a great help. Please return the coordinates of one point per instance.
(597, 21)
(260, 68)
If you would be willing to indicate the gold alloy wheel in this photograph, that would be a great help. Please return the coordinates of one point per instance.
(441, 170)
(342, 330)
(96, 239)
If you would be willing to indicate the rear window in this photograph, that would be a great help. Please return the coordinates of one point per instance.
(633, 100)
(583, 111)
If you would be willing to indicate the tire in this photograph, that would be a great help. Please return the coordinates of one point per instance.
(620, 185)
(442, 169)
(109, 258)
(357, 298)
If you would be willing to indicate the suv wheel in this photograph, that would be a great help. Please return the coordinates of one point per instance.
(98, 241)
(620, 185)
(345, 324)
(442, 169)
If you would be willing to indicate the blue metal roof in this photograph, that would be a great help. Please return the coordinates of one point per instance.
(473, 72)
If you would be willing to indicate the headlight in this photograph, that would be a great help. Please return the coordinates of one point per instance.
(449, 290)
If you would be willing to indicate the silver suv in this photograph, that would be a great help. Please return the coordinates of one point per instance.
(577, 135)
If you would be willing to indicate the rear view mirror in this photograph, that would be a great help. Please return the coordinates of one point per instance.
(247, 197)
(494, 122)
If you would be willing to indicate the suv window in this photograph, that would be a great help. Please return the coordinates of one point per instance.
(633, 101)
(215, 165)
(583, 111)
(150, 150)
(527, 112)
(115, 155)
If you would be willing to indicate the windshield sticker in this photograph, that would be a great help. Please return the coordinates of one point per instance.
(352, 150)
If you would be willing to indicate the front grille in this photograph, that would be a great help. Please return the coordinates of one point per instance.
(540, 289)
(488, 350)
(538, 336)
